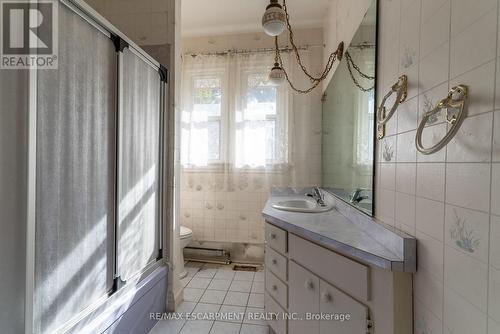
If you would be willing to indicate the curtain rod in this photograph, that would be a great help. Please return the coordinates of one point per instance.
(243, 51)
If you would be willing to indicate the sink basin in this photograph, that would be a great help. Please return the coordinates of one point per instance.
(301, 205)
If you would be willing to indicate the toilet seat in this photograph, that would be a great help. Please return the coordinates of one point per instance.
(186, 232)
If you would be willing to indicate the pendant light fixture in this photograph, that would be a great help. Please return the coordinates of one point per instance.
(274, 19)
(274, 22)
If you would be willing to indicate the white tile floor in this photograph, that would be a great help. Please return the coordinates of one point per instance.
(211, 289)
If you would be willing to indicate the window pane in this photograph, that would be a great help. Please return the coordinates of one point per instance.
(213, 140)
(270, 140)
(261, 97)
(207, 96)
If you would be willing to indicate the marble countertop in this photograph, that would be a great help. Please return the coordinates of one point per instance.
(346, 231)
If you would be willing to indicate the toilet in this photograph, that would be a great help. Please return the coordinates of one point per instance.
(186, 237)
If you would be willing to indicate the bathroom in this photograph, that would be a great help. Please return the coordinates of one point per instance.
(268, 166)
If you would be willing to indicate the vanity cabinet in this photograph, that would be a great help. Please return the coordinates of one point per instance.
(329, 292)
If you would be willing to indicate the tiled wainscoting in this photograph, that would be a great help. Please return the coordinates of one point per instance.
(211, 288)
(449, 200)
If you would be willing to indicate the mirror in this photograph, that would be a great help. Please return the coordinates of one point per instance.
(349, 120)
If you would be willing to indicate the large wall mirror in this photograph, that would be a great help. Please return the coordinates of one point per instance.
(349, 120)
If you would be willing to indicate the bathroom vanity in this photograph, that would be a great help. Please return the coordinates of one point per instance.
(346, 272)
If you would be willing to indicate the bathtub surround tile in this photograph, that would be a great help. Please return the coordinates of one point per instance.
(495, 189)
(472, 142)
(496, 133)
(467, 185)
(464, 13)
(405, 178)
(405, 210)
(494, 290)
(467, 276)
(425, 322)
(433, 68)
(387, 176)
(430, 217)
(430, 254)
(387, 149)
(407, 114)
(430, 180)
(467, 230)
(468, 51)
(480, 82)
(495, 241)
(429, 290)
(406, 147)
(460, 316)
(435, 25)
(428, 100)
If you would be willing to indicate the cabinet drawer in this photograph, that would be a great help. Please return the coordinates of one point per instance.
(278, 322)
(342, 272)
(277, 289)
(276, 238)
(334, 301)
(277, 263)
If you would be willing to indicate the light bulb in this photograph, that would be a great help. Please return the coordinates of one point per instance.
(277, 75)
(274, 19)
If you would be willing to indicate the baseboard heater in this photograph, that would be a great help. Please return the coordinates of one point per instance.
(210, 255)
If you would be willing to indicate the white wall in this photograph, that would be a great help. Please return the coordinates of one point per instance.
(340, 24)
(439, 44)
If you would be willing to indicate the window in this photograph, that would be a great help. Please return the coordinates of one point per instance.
(234, 117)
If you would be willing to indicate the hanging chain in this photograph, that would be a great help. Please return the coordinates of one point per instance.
(315, 80)
(350, 63)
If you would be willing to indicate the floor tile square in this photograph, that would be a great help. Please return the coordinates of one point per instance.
(256, 300)
(259, 276)
(254, 329)
(192, 295)
(257, 287)
(206, 273)
(236, 298)
(220, 327)
(241, 286)
(224, 274)
(219, 284)
(197, 327)
(254, 315)
(213, 297)
(231, 313)
(244, 276)
(199, 283)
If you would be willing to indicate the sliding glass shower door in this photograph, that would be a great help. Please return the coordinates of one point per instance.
(139, 163)
(75, 174)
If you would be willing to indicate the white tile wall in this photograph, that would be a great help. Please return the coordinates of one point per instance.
(456, 192)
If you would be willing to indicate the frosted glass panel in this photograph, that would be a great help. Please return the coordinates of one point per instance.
(139, 163)
(75, 174)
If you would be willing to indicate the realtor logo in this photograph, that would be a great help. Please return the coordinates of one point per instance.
(29, 34)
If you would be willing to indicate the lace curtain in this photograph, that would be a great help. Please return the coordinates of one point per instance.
(237, 143)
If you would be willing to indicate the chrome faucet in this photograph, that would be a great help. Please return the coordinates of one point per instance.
(356, 195)
(318, 196)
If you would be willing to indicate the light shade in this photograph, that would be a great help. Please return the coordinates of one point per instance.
(274, 19)
(277, 75)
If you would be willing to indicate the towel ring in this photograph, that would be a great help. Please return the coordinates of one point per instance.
(401, 90)
(457, 99)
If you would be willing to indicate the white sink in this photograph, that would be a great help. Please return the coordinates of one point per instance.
(301, 205)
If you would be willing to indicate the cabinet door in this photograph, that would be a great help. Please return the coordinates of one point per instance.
(333, 302)
(304, 298)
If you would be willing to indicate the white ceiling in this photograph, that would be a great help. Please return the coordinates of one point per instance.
(220, 17)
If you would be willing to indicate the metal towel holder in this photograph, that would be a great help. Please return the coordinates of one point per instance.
(457, 99)
(401, 90)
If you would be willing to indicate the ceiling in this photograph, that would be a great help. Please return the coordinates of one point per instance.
(220, 17)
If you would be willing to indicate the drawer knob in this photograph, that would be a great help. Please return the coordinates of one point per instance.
(327, 298)
(309, 285)
(272, 236)
(274, 261)
(274, 287)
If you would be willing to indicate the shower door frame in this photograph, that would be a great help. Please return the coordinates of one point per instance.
(97, 21)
